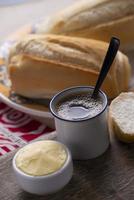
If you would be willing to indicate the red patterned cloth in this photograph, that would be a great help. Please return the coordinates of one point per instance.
(17, 129)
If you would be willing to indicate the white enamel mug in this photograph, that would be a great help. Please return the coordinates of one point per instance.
(86, 138)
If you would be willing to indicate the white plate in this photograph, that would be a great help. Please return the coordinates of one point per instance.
(42, 116)
(33, 112)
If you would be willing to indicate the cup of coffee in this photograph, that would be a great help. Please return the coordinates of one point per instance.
(81, 121)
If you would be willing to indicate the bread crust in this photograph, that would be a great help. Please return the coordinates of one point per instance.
(40, 66)
(98, 19)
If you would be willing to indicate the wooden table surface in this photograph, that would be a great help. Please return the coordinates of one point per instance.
(108, 177)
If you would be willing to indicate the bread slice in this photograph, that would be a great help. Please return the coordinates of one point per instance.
(121, 116)
(97, 19)
(42, 65)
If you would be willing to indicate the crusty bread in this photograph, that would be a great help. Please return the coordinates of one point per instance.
(97, 19)
(121, 116)
(42, 65)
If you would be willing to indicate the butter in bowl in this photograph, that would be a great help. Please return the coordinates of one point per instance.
(43, 167)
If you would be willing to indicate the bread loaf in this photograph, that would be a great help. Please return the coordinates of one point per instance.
(121, 117)
(42, 65)
(97, 19)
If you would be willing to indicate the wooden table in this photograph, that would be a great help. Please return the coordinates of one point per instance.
(108, 177)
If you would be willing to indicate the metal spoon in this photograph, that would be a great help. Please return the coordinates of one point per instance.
(108, 60)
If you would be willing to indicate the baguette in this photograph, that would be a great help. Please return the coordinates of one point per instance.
(98, 19)
(121, 117)
(42, 65)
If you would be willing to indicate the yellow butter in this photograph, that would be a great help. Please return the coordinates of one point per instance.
(41, 158)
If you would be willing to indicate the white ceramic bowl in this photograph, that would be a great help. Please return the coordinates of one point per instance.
(46, 184)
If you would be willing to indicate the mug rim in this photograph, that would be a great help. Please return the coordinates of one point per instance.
(79, 120)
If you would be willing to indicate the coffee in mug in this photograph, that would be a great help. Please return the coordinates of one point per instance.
(79, 106)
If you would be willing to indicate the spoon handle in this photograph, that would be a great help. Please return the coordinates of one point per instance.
(109, 58)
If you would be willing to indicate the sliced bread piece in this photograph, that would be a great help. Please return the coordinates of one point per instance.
(121, 116)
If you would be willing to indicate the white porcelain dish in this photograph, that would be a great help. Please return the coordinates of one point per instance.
(47, 184)
(33, 112)
(43, 116)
